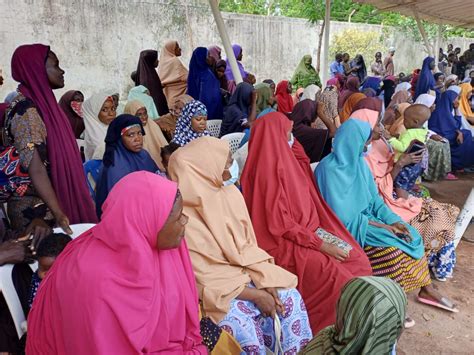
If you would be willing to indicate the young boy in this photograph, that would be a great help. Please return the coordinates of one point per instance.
(414, 118)
(47, 252)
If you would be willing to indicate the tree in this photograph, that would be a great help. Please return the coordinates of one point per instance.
(354, 41)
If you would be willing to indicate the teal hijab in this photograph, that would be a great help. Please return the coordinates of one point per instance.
(347, 185)
(141, 94)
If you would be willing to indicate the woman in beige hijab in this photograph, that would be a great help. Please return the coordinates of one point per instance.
(154, 139)
(172, 72)
(167, 122)
(240, 287)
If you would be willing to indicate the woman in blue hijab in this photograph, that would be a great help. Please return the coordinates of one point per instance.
(346, 183)
(426, 81)
(447, 125)
(241, 110)
(203, 84)
(124, 154)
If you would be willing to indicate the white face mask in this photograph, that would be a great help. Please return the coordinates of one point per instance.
(368, 149)
(234, 174)
(291, 141)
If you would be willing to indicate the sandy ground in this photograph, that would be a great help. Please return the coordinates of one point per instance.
(437, 331)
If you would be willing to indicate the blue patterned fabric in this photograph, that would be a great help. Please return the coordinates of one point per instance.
(443, 262)
(184, 132)
(35, 282)
(254, 332)
(407, 176)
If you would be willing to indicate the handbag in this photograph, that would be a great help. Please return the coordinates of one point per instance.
(278, 347)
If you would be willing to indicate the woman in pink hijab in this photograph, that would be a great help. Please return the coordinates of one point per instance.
(126, 286)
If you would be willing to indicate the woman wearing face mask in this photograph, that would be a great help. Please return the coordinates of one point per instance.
(191, 123)
(41, 133)
(240, 287)
(124, 154)
(99, 112)
(71, 104)
(138, 293)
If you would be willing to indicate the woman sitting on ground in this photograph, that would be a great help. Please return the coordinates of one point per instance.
(142, 222)
(292, 222)
(124, 154)
(191, 123)
(240, 287)
(394, 247)
(241, 110)
(71, 104)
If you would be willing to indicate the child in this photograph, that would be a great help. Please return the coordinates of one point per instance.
(166, 152)
(414, 118)
(47, 252)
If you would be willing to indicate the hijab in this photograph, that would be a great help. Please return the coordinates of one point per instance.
(223, 80)
(362, 71)
(328, 99)
(118, 161)
(388, 89)
(426, 99)
(305, 74)
(66, 172)
(370, 317)
(296, 95)
(398, 126)
(154, 139)
(95, 130)
(220, 233)
(426, 81)
(140, 93)
(310, 92)
(372, 82)
(442, 120)
(215, 52)
(237, 111)
(264, 93)
(405, 86)
(284, 99)
(76, 121)
(237, 49)
(369, 103)
(397, 99)
(351, 87)
(171, 70)
(134, 298)
(148, 77)
(349, 105)
(184, 132)
(464, 104)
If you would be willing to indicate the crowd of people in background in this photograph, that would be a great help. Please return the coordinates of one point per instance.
(304, 238)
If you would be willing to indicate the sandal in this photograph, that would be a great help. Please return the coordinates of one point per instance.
(451, 177)
(444, 303)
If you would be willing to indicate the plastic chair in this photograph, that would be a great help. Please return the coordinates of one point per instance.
(8, 289)
(80, 144)
(464, 218)
(313, 166)
(92, 171)
(234, 140)
(214, 127)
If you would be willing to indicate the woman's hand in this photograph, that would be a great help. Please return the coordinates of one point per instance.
(437, 138)
(460, 138)
(15, 252)
(398, 228)
(39, 229)
(280, 308)
(410, 158)
(62, 221)
(265, 303)
(334, 251)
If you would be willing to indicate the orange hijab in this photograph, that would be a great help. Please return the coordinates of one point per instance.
(349, 105)
(464, 104)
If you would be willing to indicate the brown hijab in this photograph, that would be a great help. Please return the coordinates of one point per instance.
(220, 236)
(76, 121)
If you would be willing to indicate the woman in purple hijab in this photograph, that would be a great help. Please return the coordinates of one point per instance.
(47, 148)
(228, 72)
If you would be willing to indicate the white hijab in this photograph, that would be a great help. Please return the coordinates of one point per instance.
(94, 135)
(403, 87)
(310, 92)
(426, 99)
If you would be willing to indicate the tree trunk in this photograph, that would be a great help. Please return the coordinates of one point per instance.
(320, 44)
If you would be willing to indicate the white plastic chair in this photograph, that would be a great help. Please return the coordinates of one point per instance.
(464, 218)
(234, 140)
(9, 291)
(313, 166)
(80, 143)
(214, 127)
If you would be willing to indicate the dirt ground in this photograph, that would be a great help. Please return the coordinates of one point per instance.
(437, 331)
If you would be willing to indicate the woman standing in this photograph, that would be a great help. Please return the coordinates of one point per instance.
(41, 134)
(71, 104)
(305, 74)
(358, 67)
(172, 73)
(147, 76)
(426, 80)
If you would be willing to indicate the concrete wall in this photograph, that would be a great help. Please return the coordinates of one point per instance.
(98, 41)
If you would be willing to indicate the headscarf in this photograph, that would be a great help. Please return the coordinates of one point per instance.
(67, 174)
(397, 99)
(464, 104)
(154, 139)
(351, 87)
(305, 74)
(388, 89)
(403, 87)
(442, 120)
(171, 70)
(426, 81)
(372, 82)
(284, 99)
(223, 80)
(134, 298)
(328, 98)
(370, 103)
(118, 161)
(296, 96)
(95, 132)
(215, 52)
(349, 105)
(310, 92)
(237, 111)
(426, 99)
(362, 71)
(140, 93)
(398, 126)
(184, 132)
(148, 77)
(237, 49)
(76, 121)
(220, 233)
(380, 162)
(370, 318)
(203, 84)
(264, 92)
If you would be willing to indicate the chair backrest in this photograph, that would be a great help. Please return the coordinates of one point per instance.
(234, 140)
(7, 288)
(214, 127)
(92, 171)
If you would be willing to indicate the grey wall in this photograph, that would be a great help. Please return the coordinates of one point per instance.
(98, 41)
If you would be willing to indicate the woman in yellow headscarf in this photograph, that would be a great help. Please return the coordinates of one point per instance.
(464, 104)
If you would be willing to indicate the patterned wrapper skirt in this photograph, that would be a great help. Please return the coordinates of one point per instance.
(439, 160)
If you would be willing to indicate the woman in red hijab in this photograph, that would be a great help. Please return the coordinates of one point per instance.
(283, 97)
(291, 219)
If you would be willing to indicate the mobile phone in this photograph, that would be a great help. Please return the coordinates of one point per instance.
(415, 147)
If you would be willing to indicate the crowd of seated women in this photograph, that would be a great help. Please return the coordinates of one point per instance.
(199, 249)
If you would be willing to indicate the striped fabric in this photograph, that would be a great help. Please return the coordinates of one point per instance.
(393, 263)
(370, 316)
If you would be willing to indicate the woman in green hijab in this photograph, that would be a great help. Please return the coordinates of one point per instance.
(370, 316)
(305, 74)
